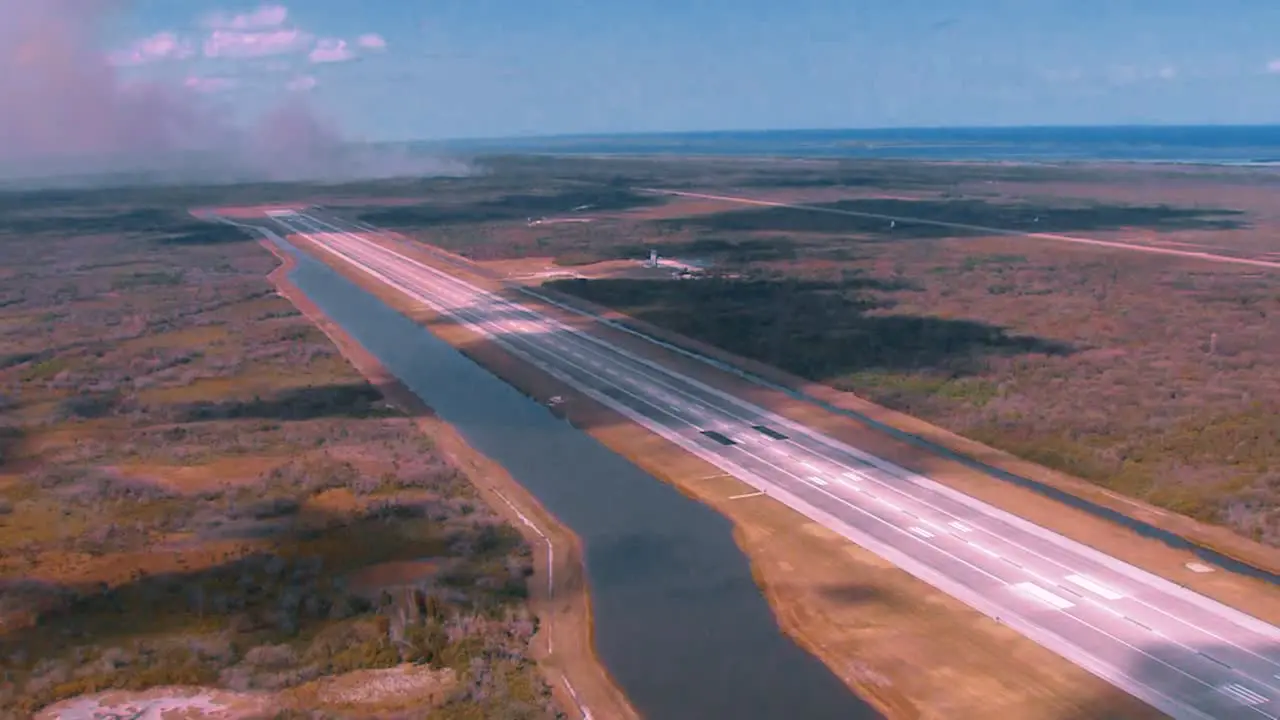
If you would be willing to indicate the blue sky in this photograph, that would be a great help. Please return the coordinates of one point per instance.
(469, 68)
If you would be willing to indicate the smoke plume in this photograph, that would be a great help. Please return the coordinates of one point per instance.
(64, 112)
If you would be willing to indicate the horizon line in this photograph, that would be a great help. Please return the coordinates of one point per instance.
(887, 128)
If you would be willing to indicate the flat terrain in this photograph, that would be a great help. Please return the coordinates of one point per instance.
(186, 463)
(1148, 376)
(911, 649)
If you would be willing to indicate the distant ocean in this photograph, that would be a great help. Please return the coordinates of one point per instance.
(1217, 145)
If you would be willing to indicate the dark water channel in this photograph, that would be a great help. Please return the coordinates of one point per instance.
(679, 621)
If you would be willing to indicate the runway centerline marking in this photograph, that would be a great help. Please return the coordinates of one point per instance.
(986, 550)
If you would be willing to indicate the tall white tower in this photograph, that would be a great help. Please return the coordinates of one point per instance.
(653, 258)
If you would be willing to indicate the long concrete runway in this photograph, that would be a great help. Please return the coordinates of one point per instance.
(1261, 262)
(1183, 653)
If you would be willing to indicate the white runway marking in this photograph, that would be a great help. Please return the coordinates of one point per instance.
(959, 526)
(853, 477)
(744, 496)
(1035, 591)
(986, 550)
(1094, 587)
(1243, 694)
(816, 480)
(922, 532)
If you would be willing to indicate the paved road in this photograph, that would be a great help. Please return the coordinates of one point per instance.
(1059, 237)
(1181, 652)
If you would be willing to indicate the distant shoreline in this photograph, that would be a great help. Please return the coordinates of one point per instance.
(1225, 145)
(1078, 162)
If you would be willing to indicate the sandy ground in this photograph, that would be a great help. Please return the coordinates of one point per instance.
(563, 644)
(909, 649)
(368, 692)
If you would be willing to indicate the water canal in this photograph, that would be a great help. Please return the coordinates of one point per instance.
(679, 621)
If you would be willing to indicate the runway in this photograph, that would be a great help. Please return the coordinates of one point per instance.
(1056, 237)
(1185, 654)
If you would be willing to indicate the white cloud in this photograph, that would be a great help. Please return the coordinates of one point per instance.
(1070, 75)
(264, 16)
(209, 84)
(1132, 74)
(372, 41)
(241, 44)
(302, 83)
(1274, 66)
(161, 46)
(331, 50)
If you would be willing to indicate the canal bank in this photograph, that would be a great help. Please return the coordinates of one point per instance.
(678, 619)
(562, 645)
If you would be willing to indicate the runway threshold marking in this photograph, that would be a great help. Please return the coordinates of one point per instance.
(1036, 592)
(1094, 587)
(744, 496)
(1243, 694)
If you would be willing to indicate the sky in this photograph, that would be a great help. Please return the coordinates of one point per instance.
(468, 68)
(177, 75)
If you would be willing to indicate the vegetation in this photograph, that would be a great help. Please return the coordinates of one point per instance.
(1126, 369)
(1144, 374)
(197, 489)
(508, 207)
(982, 213)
